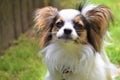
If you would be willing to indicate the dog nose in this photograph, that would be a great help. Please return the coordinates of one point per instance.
(67, 31)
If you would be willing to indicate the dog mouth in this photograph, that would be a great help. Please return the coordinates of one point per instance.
(65, 38)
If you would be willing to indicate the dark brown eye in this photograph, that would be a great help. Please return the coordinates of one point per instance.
(78, 26)
(59, 24)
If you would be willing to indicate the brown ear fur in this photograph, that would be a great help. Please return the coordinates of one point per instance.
(43, 19)
(98, 19)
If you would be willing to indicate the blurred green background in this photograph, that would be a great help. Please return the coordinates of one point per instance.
(21, 60)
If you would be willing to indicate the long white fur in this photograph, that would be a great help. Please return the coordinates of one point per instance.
(86, 64)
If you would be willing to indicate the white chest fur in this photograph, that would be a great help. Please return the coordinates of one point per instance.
(81, 61)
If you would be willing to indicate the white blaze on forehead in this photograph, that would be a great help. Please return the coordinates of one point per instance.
(68, 14)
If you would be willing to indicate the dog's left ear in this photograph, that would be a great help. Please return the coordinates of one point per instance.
(98, 18)
(43, 20)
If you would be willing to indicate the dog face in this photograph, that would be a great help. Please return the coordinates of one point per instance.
(87, 25)
(70, 27)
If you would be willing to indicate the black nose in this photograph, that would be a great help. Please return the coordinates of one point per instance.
(67, 31)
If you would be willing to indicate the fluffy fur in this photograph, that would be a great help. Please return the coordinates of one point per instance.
(72, 42)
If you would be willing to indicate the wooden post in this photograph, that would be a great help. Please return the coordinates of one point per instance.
(24, 17)
(17, 18)
(6, 25)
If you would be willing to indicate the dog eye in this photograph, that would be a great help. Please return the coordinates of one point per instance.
(78, 26)
(59, 24)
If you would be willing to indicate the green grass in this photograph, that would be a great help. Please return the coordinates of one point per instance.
(21, 61)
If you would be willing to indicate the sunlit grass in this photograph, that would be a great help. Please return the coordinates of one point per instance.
(21, 61)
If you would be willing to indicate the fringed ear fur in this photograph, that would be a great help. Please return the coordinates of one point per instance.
(43, 19)
(98, 18)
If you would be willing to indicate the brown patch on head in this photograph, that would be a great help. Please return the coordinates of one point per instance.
(78, 24)
(81, 30)
(60, 19)
(58, 24)
(82, 38)
(78, 20)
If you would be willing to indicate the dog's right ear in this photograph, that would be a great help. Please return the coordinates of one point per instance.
(43, 17)
(43, 20)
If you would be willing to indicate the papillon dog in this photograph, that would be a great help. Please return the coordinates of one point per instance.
(72, 42)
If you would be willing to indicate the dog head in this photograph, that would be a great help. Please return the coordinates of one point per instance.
(87, 25)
